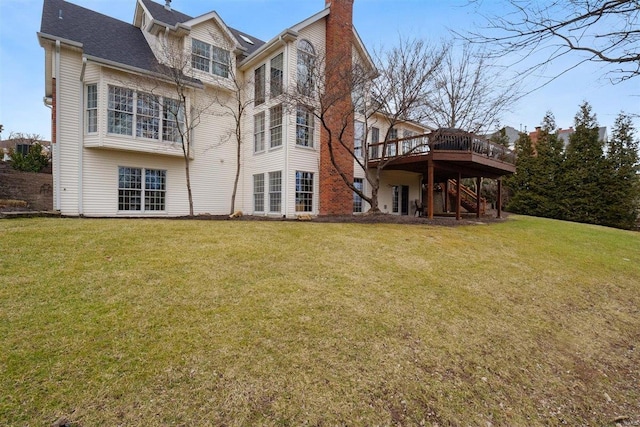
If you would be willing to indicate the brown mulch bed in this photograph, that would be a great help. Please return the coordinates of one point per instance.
(448, 221)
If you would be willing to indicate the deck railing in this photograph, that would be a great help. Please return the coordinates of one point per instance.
(440, 140)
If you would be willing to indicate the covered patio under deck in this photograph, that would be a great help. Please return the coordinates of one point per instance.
(444, 156)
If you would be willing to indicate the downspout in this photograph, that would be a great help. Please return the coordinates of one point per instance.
(285, 131)
(58, 142)
(81, 140)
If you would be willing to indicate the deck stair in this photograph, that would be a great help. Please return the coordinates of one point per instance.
(468, 198)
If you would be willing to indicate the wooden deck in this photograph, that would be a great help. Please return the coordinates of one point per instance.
(443, 155)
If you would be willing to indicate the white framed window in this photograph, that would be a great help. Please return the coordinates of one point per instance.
(172, 120)
(306, 63)
(275, 126)
(147, 116)
(275, 191)
(141, 190)
(304, 127)
(357, 200)
(210, 59)
(392, 148)
(358, 138)
(277, 75)
(200, 55)
(304, 191)
(259, 85)
(120, 111)
(375, 139)
(258, 132)
(258, 192)
(395, 199)
(92, 108)
(122, 118)
(410, 144)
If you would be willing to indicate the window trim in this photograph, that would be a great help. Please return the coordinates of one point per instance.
(258, 196)
(304, 191)
(259, 132)
(160, 114)
(275, 191)
(276, 128)
(358, 202)
(308, 124)
(218, 59)
(260, 87)
(144, 192)
(91, 109)
(276, 75)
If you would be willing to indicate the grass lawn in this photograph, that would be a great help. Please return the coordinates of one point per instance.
(168, 322)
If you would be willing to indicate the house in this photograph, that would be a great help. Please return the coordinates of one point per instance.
(565, 134)
(117, 123)
(21, 144)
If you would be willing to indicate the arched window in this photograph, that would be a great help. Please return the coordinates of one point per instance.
(306, 64)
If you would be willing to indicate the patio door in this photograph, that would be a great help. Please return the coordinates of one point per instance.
(400, 199)
(404, 200)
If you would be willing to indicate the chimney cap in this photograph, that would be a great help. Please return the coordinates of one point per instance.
(167, 5)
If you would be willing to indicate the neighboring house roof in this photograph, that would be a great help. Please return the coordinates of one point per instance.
(12, 142)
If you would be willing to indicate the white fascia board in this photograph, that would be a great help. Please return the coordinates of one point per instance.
(213, 15)
(310, 20)
(48, 37)
(136, 70)
(268, 47)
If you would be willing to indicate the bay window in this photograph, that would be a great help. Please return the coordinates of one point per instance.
(146, 118)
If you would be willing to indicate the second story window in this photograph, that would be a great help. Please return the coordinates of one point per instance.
(154, 117)
(210, 59)
(259, 85)
(304, 127)
(358, 138)
(277, 75)
(306, 63)
(92, 108)
(258, 132)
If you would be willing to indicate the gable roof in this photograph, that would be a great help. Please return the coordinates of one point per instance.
(116, 41)
(173, 17)
(100, 36)
(159, 12)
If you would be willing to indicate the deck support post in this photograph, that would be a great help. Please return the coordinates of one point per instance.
(446, 196)
(430, 189)
(499, 201)
(478, 187)
(458, 183)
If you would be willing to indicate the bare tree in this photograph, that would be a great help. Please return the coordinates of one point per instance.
(602, 31)
(469, 91)
(391, 93)
(234, 104)
(181, 97)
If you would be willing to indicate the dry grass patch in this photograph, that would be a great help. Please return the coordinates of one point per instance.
(153, 322)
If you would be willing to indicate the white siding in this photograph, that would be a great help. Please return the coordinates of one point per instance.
(68, 104)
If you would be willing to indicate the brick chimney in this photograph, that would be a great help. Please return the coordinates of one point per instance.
(335, 197)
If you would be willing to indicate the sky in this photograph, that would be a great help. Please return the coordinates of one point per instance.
(380, 24)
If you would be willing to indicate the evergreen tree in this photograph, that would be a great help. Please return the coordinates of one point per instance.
(584, 180)
(538, 169)
(549, 159)
(523, 200)
(623, 192)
